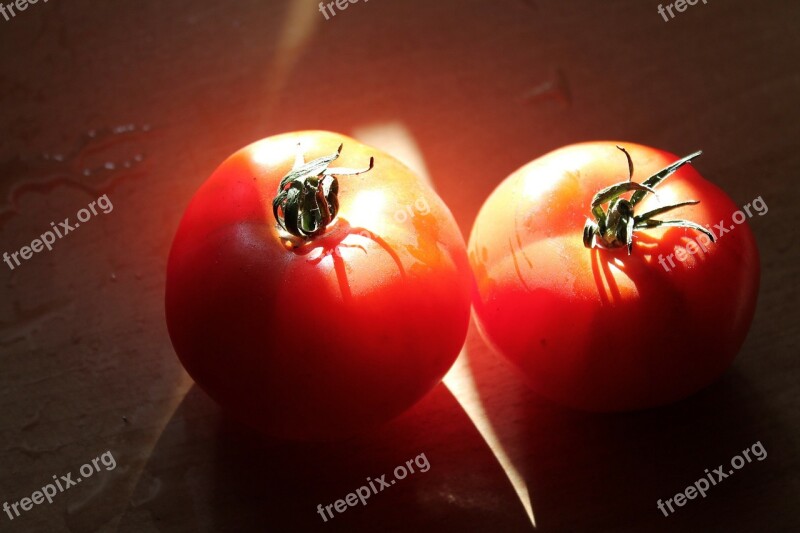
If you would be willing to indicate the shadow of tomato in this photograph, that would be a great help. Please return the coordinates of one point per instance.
(210, 473)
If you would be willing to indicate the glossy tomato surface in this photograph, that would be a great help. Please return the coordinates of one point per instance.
(336, 335)
(597, 329)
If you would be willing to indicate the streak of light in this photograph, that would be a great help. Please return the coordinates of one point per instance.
(461, 384)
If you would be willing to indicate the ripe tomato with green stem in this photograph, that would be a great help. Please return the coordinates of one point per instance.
(573, 285)
(298, 301)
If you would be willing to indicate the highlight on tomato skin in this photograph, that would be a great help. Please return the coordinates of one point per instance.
(309, 316)
(607, 327)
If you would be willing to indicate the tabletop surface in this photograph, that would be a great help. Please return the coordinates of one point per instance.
(142, 100)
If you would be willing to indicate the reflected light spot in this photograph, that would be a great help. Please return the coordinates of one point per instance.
(367, 211)
(537, 184)
(274, 153)
(553, 170)
(550, 172)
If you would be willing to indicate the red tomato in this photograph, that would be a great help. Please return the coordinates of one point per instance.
(595, 328)
(325, 333)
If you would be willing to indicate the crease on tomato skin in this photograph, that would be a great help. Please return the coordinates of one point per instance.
(513, 254)
(519, 243)
(341, 277)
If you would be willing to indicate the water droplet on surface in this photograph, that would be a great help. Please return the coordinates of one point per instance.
(94, 165)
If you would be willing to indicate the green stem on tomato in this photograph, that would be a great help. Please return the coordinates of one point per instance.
(615, 226)
(307, 200)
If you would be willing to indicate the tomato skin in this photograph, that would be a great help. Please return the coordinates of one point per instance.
(599, 330)
(333, 338)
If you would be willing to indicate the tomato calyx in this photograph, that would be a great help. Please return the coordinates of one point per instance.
(614, 228)
(307, 198)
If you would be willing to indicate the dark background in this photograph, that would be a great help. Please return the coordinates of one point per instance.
(141, 100)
